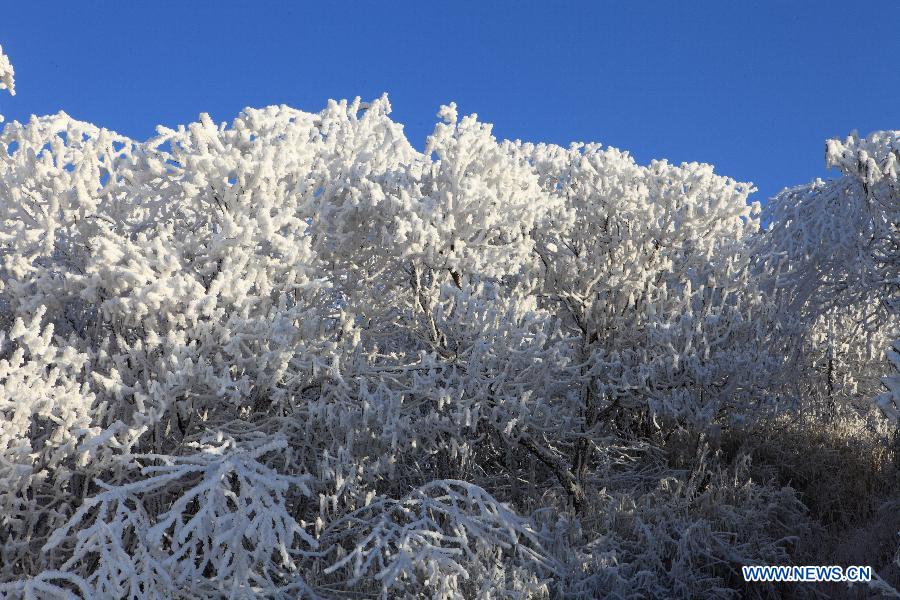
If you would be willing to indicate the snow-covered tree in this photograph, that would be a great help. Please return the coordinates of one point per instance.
(7, 81)
(7, 73)
(294, 356)
(834, 259)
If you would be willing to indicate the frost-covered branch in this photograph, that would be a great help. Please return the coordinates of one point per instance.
(291, 355)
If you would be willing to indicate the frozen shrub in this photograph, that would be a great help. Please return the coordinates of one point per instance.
(292, 356)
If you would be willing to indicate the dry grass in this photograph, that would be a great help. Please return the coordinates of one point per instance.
(847, 475)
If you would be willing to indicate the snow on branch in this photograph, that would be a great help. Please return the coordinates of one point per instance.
(291, 355)
(222, 522)
(442, 536)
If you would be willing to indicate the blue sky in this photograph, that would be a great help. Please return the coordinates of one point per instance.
(754, 88)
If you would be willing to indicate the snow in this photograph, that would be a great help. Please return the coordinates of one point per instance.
(291, 355)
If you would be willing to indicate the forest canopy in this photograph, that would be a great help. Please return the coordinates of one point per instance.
(294, 356)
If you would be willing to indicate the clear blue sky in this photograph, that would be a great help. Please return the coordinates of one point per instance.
(754, 88)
